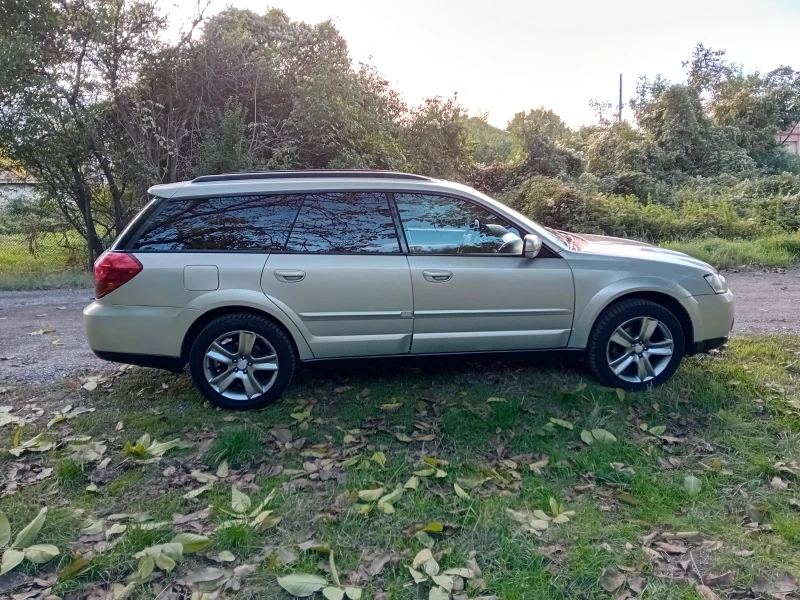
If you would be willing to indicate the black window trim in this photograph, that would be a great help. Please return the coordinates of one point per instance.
(389, 194)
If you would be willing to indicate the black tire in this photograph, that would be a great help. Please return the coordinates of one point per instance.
(607, 324)
(275, 335)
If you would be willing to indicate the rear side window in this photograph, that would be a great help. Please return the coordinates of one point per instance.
(350, 222)
(237, 223)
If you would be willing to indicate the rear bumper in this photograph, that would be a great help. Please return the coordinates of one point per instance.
(168, 363)
(114, 330)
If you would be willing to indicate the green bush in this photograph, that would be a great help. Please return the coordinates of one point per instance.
(775, 251)
(557, 204)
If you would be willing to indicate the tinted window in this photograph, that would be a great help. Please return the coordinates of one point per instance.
(239, 223)
(344, 222)
(444, 225)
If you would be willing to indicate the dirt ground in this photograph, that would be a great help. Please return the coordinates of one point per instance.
(766, 302)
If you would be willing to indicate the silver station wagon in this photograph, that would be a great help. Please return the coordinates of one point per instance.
(243, 275)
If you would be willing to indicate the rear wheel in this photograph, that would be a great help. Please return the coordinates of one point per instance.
(242, 361)
(636, 344)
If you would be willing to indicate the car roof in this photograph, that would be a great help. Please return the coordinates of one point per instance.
(306, 181)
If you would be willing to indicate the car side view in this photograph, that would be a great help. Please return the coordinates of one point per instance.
(242, 276)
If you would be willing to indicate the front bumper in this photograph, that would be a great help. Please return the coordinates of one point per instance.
(712, 318)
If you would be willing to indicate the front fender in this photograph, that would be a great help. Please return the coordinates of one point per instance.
(589, 303)
(254, 300)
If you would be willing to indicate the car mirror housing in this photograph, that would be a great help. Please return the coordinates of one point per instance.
(532, 245)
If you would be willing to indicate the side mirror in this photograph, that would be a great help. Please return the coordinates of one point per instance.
(532, 245)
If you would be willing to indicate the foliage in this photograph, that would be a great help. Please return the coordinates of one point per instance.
(109, 108)
(97, 106)
(491, 145)
(23, 546)
(694, 215)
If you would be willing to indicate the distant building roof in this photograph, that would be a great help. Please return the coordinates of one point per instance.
(791, 139)
(8, 177)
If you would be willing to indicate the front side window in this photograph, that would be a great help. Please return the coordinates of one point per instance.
(443, 225)
(239, 223)
(351, 222)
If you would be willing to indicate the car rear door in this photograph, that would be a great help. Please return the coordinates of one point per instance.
(473, 289)
(342, 277)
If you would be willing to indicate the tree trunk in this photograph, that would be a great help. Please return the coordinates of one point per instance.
(83, 198)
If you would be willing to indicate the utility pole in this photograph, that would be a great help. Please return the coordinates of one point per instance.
(619, 114)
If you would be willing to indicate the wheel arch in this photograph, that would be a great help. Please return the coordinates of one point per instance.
(671, 303)
(587, 320)
(302, 349)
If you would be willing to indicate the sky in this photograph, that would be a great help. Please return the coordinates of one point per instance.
(505, 56)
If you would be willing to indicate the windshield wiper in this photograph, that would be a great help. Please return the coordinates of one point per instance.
(565, 236)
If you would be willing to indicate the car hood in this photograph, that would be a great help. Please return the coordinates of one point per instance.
(611, 246)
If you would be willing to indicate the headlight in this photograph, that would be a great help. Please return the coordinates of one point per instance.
(717, 283)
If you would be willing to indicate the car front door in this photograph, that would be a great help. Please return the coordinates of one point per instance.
(473, 289)
(342, 277)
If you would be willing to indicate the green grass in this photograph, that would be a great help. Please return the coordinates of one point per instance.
(49, 253)
(50, 266)
(68, 279)
(239, 446)
(733, 416)
(69, 472)
(777, 251)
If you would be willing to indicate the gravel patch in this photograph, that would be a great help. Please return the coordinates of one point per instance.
(26, 358)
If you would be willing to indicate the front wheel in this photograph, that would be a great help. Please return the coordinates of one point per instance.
(636, 344)
(242, 361)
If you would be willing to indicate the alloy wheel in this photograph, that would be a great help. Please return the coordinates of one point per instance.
(640, 349)
(240, 365)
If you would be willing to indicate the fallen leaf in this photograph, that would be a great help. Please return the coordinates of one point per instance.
(692, 485)
(461, 493)
(412, 483)
(602, 436)
(370, 495)
(380, 458)
(705, 592)
(672, 548)
(779, 484)
(301, 585)
(777, 587)
(537, 466)
(717, 580)
(611, 579)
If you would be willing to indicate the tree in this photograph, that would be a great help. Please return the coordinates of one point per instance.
(436, 139)
(59, 63)
(491, 145)
(756, 107)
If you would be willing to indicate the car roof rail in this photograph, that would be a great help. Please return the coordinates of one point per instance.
(310, 173)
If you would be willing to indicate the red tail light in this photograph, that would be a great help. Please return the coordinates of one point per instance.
(113, 270)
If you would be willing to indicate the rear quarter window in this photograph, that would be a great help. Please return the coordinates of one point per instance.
(244, 223)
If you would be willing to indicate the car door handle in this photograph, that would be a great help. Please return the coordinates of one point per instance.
(437, 276)
(290, 276)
